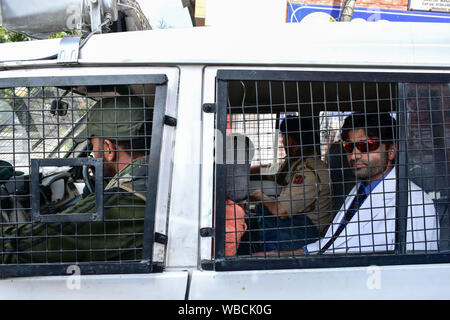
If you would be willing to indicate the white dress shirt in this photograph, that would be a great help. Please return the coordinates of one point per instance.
(372, 228)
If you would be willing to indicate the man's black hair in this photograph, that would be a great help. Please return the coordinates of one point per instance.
(381, 126)
(301, 129)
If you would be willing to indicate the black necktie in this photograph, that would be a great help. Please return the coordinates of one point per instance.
(357, 202)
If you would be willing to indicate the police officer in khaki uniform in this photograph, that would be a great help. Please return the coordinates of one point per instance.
(119, 130)
(303, 209)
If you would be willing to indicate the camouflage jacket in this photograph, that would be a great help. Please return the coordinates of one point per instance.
(118, 238)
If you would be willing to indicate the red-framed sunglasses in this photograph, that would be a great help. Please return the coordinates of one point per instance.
(363, 146)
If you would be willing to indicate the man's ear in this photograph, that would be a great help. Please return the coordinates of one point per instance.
(109, 152)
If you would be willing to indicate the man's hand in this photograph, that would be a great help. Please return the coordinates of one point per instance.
(274, 207)
(256, 195)
(257, 168)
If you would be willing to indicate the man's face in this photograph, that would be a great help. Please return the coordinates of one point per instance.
(284, 143)
(98, 149)
(291, 146)
(369, 165)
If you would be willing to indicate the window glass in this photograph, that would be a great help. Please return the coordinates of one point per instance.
(338, 186)
(36, 120)
(428, 127)
(74, 164)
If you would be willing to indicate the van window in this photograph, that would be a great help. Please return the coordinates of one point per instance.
(262, 131)
(330, 169)
(25, 125)
(76, 157)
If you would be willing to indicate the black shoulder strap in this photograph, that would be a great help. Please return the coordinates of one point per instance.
(354, 207)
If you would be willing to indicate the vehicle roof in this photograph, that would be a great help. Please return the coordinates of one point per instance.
(392, 44)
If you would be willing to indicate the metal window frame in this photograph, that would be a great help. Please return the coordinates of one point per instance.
(75, 217)
(221, 263)
(146, 264)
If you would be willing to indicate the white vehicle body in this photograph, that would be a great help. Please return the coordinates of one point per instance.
(191, 58)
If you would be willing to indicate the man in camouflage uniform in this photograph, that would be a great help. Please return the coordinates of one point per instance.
(303, 209)
(117, 129)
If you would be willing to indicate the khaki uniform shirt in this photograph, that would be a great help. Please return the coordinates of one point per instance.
(306, 188)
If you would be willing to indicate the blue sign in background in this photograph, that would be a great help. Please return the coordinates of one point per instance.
(297, 11)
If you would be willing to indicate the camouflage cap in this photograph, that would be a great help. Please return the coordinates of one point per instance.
(118, 118)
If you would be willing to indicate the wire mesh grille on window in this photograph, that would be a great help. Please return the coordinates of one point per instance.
(321, 171)
(55, 123)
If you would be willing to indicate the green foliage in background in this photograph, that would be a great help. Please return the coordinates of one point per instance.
(7, 36)
(61, 34)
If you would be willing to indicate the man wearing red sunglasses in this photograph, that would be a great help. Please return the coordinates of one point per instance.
(366, 222)
(370, 158)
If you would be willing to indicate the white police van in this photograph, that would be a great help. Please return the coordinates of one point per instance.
(205, 84)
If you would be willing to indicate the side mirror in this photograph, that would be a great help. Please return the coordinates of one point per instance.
(59, 108)
(41, 18)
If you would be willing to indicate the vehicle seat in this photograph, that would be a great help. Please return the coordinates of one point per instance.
(443, 214)
(6, 172)
(240, 151)
(342, 176)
